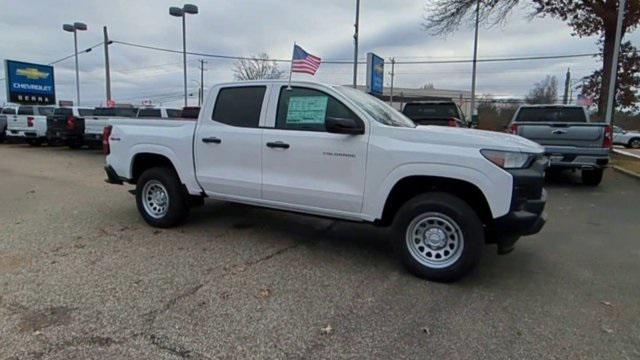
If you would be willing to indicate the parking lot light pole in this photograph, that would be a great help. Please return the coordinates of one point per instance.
(77, 26)
(182, 12)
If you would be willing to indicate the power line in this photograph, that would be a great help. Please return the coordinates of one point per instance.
(496, 59)
(79, 52)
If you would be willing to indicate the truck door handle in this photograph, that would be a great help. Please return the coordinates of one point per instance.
(211, 140)
(278, 144)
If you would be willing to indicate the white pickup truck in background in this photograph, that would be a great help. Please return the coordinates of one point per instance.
(94, 125)
(337, 152)
(29, 124)
(5, 112)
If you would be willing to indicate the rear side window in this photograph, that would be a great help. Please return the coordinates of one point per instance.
(239, 106)
(190, 112)
(143, 113)
(9, 111)
(551, 114)
(104, 112)
(25, 110)
(63, 112)
(85, 112)
(308, 109)
(173, 113)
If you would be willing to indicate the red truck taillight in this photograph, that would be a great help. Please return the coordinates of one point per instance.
(30, 121)
(608, 137)
(71, 123)
(106, 134)
(514, 129)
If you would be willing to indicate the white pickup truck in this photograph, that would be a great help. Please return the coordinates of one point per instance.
(337, 152)
(29, 124)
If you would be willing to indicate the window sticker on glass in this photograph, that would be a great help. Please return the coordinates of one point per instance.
(307, 109)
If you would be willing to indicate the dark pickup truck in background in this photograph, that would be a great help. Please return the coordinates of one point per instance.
(440, 113)
(66, 126)
(570, 140)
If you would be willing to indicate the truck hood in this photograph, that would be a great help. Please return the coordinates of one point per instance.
(471, 138)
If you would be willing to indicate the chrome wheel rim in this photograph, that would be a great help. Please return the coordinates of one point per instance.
(635, 144)
(435, 240)
(155, 199)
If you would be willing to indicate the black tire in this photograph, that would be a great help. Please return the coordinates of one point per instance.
(456, 210)
(592, 177)
(178, 207)
(75, 144)
(634, 143)
(35, 142)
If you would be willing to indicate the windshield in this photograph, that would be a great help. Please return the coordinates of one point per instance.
(551, 114)
(378, 110)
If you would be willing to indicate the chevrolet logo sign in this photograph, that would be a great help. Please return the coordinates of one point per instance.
(32, 73)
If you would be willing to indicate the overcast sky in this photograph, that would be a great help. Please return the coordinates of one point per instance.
(32, 31)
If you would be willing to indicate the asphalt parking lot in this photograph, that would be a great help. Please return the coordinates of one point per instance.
(81, 276)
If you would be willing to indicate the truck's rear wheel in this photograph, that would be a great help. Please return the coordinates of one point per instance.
(634, 143)
(438, 236)
(161, 198)
(592, 177)
(35, 142)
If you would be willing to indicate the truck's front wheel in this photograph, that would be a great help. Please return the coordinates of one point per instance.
(161, 197)
(438, 236)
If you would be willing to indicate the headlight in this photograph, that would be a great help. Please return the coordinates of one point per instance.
(508, 159)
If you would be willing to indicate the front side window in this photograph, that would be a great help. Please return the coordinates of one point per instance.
(63, 112)
(307, 109)
(146, 113)
(239, 106)
(25, 110)
(45, 111)
(85, 112)
(174, 113)
(9, 111)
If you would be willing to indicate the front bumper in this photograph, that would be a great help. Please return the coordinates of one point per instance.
(526, 215)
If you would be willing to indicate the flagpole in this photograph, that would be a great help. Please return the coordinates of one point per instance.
(291, 67)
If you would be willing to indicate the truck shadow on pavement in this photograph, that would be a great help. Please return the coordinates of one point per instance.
(352, 246)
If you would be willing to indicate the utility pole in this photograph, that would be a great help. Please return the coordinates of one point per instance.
(475, 63)
(355, 45)
(393, 73)
(614, 64)
(201, 94)
(567, 85)
(107, 68)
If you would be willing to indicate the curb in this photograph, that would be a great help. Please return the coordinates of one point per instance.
(626, 172)
(626, 153)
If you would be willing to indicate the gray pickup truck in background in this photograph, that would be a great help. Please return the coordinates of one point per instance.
(571, 141)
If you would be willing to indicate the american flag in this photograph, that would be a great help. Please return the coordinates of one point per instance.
(304, 62)
(584, 100)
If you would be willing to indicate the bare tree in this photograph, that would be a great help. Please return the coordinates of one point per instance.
(585, 17)
(256, 68)
(544, 92)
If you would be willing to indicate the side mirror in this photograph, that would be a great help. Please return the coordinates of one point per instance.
(343, 126)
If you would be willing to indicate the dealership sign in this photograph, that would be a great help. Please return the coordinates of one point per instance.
(375, 74)
(29, 83)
